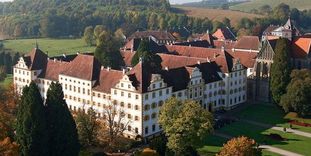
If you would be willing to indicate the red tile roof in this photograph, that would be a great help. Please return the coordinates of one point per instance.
(84, 67)
(53, 69)
(247, 59)
(224, 34)
(248, 43)
(107, 80)
(159, 35)
(36, 59)
(224, 44)
(301, 47)
(175, 61)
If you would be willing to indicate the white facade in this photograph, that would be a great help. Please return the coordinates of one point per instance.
(142, 109)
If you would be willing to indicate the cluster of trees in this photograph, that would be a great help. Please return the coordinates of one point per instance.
(7, 61)
(47, 18)
(240, 146)
(45, 129)
(275, 16)
(290, 89)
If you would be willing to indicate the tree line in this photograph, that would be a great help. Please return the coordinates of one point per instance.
(7, 60)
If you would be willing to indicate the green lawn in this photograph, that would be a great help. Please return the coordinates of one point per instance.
(272, 115)
(7, 80)
(255, 4)
(294, 143)
(52, 46)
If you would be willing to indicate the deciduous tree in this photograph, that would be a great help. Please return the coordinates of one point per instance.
(185, 124)
(88, 36)
(298, 97)
(241, 146)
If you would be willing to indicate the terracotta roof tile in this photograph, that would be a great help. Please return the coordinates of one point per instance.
(248, 42)
(53, 69)
(36, 59)
(224, 34)
(107, 80)
(159, 35)
(84, 67)
(301, 47)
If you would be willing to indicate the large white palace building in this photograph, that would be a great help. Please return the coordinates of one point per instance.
(213, 77)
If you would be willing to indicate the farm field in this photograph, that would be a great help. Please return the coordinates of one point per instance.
(216, 14)
(255, 4)
(51, 46)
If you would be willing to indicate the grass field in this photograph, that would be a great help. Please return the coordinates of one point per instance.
(52, 46)
(255, 4)
(216, 14)
(7, 81)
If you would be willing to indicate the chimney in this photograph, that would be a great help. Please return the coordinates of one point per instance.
(102, 68)
(233, 49)
(108, 68)
(166, 68)
(198, 62)
(64, 55)
(208, 60)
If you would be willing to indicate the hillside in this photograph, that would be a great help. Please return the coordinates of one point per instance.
(247, 6)
(216, 14)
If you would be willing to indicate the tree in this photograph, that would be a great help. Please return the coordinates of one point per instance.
(107, 52)
(151, 60)
(240, 146)
(62, 131)
(31, 131)
(282, 12)
(114, 119)
(185, 124)
(159, 144)
(97, 31)
(280, 70)
(88, 127)
(297, 97)
(8, 148)
(2, 73)
(89, 36)
(265, 9)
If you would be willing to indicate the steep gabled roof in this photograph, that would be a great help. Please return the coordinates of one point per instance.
(84, 67)
(248, 43)
(224, 34)
(140, 77)
(36, 59)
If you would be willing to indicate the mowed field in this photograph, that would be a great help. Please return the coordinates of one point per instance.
(216, 14)
(51, 46)
(255, 4)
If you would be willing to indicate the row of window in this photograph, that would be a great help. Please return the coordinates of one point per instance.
(237, 100)
(77, 89)
(129, 95)
(153, 105)
(21, 80)
(153, 129)
(74, 81)
(154, 94)
(147, 117)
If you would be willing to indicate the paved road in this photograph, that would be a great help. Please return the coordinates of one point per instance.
(266, 147)
(297, 132)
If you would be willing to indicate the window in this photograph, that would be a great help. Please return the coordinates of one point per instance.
(147, 107)
(153, 128)
(136, 97)
(129, 86)
(136, 118)
(129, 116)
(136, 107)
(160, 84)
(98, 95)
(167, 91)
(154, 105)
(122, 85)
(115, 92)
(146, 130)
(154, 115)
(129, 128)
(129, 95)
(146, 97)
(122, 104)
(153, 86)
(146, 117)
(153, 95)
(160, 93)
(122, 93)
(136, 130)
(129, 106)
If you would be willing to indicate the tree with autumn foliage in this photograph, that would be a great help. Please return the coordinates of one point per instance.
(240, 146)
(185, 124)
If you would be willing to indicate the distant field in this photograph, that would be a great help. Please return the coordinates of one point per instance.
(52, 46)
(246, 7)
(216, 14)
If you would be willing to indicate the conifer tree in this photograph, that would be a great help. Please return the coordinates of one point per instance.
(31, 130)
(63, 134)
(280, 70)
